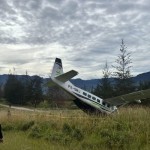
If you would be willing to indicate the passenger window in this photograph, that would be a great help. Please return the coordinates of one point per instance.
(98, 100)
(103, 103)
(76, 89)
(89, 96)
(93, 98)
(84, 93)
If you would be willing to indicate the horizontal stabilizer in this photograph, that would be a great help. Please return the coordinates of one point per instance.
(127, 98)
(67, 76)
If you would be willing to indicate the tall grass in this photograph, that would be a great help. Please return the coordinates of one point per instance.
(69, 129)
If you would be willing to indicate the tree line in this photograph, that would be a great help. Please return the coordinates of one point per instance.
(29, 90)
(122, 82)
(24, 90)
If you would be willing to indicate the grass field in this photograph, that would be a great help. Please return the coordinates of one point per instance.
(72, 129)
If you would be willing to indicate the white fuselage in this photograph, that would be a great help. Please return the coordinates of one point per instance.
(85, 97)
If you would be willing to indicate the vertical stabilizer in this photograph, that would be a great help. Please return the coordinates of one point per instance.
(57, 68)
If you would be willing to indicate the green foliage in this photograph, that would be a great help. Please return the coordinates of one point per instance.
(123, 82)
(26, 125)
(51, 133)
(104, 89)
(19, 125)
(44, 104)
(35, 132)
(14, 90)
(55, 137)
(1, 92)
(127, 130)
(66, 129)
(73, 132)
(25, 91)
(116, 139)
(8, 126)
(33, 90)
(144, 85)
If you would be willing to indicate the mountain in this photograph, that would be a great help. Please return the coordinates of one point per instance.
(84, 84)
(142, 77)
(89, 84)
(3, 79)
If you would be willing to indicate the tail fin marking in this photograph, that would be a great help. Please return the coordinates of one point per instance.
(57, 68)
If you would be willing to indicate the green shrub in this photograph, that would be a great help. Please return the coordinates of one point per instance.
(116, 139)
(35, 132)
(27, 125)
(77, 134)
(54, 137)
(66, 129)
(72, 132)
(8, 126)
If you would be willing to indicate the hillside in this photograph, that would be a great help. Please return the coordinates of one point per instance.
(84, 84)
(88, 84)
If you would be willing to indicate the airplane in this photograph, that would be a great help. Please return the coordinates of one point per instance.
(87, 101)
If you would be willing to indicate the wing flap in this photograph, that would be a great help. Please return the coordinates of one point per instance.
(127, 98)
(67, 76)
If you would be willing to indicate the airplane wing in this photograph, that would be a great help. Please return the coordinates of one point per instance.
(67, 76)
(127, 98)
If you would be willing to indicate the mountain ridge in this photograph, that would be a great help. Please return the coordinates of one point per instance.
(84, 84)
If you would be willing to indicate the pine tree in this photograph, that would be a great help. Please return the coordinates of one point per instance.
(144, 85)
(32, 90)
(1, 92)
(13, 90)
(37, 95)
(28, 89)
(123, 80)
(104, 89)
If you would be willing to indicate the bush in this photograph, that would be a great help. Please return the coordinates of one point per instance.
(8, 127)
(66, 129)
(77, 134)
(116, 139)
(27, 125)
(72, 132)
(35, 132)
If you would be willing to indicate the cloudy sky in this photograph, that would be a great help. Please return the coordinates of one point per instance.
(83, 33)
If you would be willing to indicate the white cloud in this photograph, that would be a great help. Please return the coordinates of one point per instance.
(83, 33)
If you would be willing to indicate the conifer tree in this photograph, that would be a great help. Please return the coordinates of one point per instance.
(123, 77)
(1, 92)
(13, 91)
(104, 89)
(33, 90)
(37, 95)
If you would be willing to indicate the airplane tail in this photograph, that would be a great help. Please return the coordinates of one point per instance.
(57, 68)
